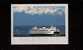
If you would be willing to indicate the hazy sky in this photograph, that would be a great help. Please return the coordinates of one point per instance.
(27, 19)
(28, 15)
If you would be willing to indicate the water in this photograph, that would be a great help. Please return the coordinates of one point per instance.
(24, 30)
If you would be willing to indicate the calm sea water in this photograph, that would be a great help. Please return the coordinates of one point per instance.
(24, 30)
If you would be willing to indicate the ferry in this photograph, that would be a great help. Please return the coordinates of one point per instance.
(44, 30)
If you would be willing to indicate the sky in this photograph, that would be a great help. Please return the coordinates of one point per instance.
(34, 16)
(24, 19)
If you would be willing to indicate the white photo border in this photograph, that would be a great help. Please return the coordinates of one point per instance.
(40, 40)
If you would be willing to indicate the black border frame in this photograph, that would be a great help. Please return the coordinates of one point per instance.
(74, 27)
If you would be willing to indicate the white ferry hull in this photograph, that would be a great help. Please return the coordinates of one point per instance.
(42, 32)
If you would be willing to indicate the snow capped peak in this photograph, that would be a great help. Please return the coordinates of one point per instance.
(28, 9)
